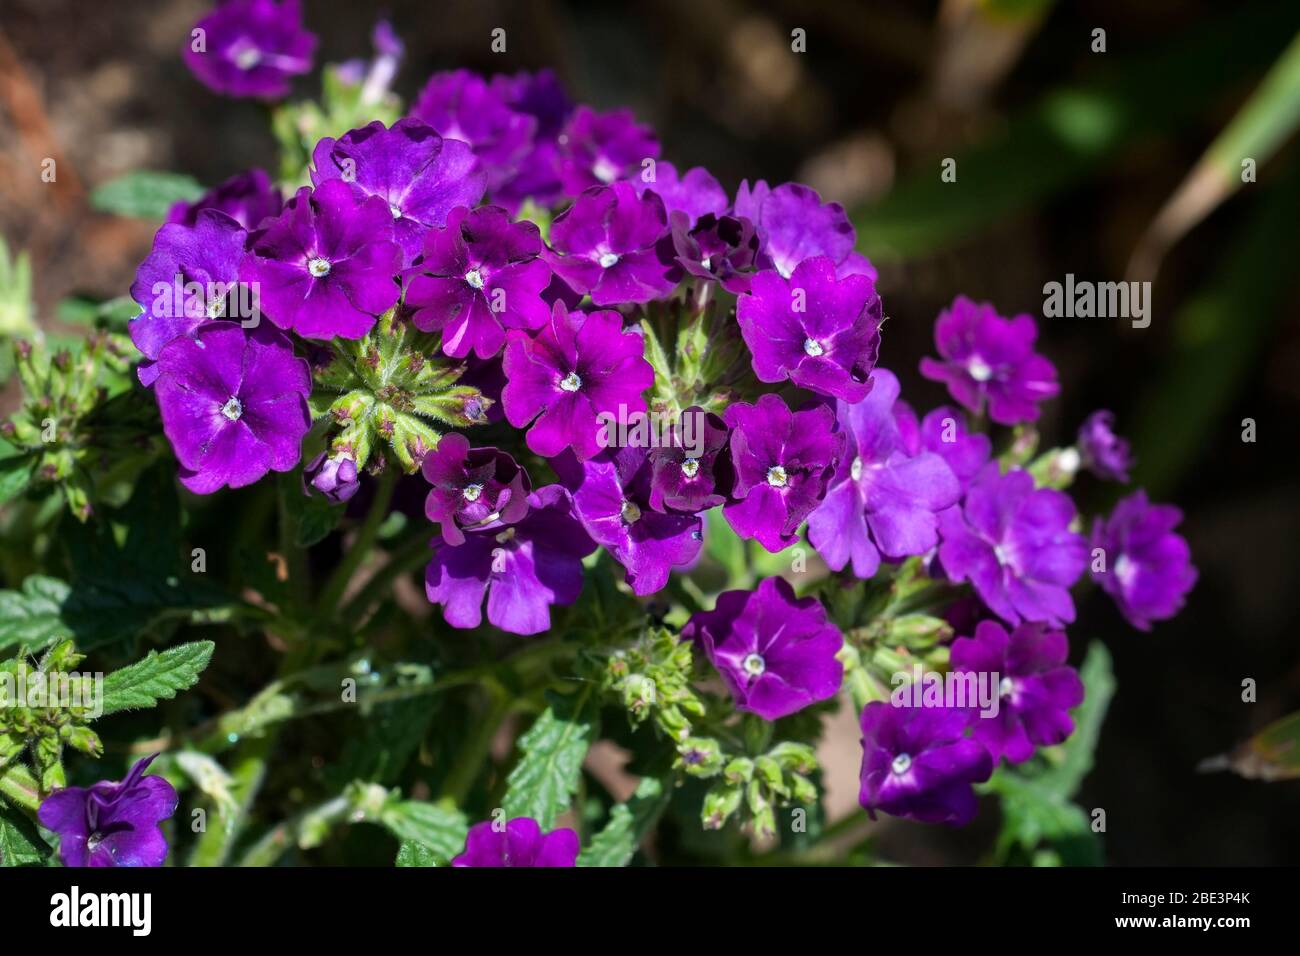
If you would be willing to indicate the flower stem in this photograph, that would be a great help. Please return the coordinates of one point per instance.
(20, 788)
(361, 546)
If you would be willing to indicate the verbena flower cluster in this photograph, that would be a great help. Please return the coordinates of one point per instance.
(504, 260)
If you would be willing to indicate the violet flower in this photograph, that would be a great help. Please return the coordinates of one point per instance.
(783, 461)
(248, 198)
(1013, 543)
(1147, 566)
(821, 333)
(918, 763)
(986, 358)
(250, 48)
(794, 224)
(884, 498)
(775, 653)
(608, 243)
(520, 843)
(233, 404)
(478, 276)
(327, 265)
(597, 149)
(1036, 688)
(112, 824)
(721, 249)
(334, 477)
(1103, 452)
(576, 368)
(420, 176)
(537, 176)
(523, 568)
(694, 193)
(474, 489)
(691, 471)
(944, 432)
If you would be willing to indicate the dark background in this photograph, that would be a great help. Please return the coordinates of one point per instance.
(884, 91)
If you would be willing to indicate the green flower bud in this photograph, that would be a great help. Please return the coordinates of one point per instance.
(719, 804)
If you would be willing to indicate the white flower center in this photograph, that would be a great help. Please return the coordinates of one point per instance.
(631, 513)
(474, 278)
(902, 763)
(754, 665)
(608, 259)
(1007, 687)
(216, 308)
(691, 467)
(233, 409)
(571, 382)
(979, 369)
(776, 477)
(392, 208)
(813, 348)
(707, 262)
(1126, 570)
(319, 267)
(1068, 461)
(855, 469)
(248, 57)
(471, 492)
(604, 170)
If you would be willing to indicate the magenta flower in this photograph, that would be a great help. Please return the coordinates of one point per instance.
(523, 568)
(608, 244)
(247, 198)
(112, 824)
(918, 763)
(420, 176)
(884, 498)
(186, 279)
(776, 653)
(1103, 452)
(944, 432)
(988, 358)
(783, 461)
(334, 477)
(1013, 543)
(250, 48)
(1148, 567)
(520, 843)
(474, 489)
(463, 106)
(821, 333)
(597, 149)
(720, 249)
(611, 495)
(1036, 688)
(575, 368)
(233, 404)
(327, 265)
(478, 276)
(691, 472)
(793, 225)
(694, 193)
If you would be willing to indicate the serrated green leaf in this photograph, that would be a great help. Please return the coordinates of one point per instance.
(20, 841)
(157, 677)
(145, 194)
(616, 844)
(411, 853)
(437, 830)
(544, 780)
(32, 617)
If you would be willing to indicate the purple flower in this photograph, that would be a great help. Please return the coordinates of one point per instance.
(776, 653)
(537, 175)
(334, 476)
(821, 333)
(694, 193)
(375, 76)
(884, 498)
(988, 357)
(112, 824)
(597, 149)
(1014, 544)
(721, 249)
(523, 568)
(1036, 688)
(478, 276)
(233, 404)
(575, 368)
(520, 843)
(248, 198)
(944, 432)
(474, 489)
(1148, 568)
(462, 105)
(611, 495)
(1103, 452)
(250, 48)
(783, 461)
(607, 244)
(795, 225)
(918, 763)
(186, 279)
(689, 469)
(420, 176)
(326, 266)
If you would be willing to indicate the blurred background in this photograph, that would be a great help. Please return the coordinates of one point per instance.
(1107, 155)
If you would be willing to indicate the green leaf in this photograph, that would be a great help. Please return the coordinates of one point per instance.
(145, 194)
(438, 831)
(32, 617)
(15, 475)
(411, 853)
(20, 841)
(628, 824)
(544, 780)
(112, 314)
(157, 677)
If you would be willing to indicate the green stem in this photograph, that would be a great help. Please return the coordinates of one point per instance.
(361, 546)
(19, 787)
(469, 763)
